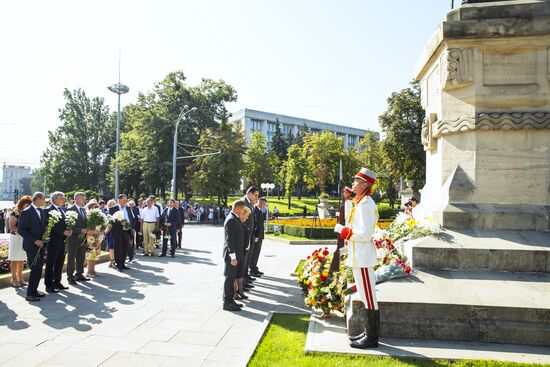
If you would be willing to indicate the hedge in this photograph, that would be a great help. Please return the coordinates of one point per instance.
(314, 233)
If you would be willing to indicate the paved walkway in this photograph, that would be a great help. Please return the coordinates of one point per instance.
(162, 312)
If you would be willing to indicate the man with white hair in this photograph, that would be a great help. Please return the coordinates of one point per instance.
(56, 245)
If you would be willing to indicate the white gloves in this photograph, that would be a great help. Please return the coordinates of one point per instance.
(338, 228)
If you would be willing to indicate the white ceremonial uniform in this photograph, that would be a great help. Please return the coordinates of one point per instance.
(362, 219)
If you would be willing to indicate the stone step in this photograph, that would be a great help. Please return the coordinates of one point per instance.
(477, 306)
(516, 251)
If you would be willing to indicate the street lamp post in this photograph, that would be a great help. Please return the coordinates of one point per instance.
(118, 89)
(181, 116)
(267, 187)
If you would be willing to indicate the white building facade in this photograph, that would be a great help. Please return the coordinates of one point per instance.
(265, 122)
(10, 180)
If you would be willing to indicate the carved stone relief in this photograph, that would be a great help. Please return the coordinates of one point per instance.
(493, 121)
(427, 131)
(457, 67)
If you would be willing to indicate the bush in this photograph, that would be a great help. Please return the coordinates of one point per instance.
(388, 213)
(324, 195)
(89, 194)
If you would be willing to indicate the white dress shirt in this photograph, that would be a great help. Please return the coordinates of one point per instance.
(150, 214)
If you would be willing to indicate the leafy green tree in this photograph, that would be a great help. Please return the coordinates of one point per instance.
(278, 142)
(25, 184)
(402, 125)
(257, 160)
(79, 150)
(302, 132)
(151, 123)
(218, 174)
(294, 168)
(323, 153)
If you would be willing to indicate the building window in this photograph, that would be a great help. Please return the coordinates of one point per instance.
(271, 127)
(351, 140)
(256, 125)
(287, 129)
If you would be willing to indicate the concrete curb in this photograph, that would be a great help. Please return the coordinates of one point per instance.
(257, 338)
(6, 278)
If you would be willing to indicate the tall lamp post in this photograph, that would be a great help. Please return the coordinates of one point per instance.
(183, 113)
(118, 89)
(267, 187)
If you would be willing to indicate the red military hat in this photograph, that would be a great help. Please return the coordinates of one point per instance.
(366, 175)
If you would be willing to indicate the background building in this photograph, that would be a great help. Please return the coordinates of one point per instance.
(11, 176)
(252, 120)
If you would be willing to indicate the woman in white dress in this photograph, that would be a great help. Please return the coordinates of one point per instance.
(16, 254)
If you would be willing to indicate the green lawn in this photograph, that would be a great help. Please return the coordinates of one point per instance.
(289, 237)
(283, 345)
(296, 208)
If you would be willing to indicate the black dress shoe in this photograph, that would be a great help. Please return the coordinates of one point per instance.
(240, 305)
(256, 274)
(240, 295)
(51, 290)
(34, 299)
(162, 255)
(172, 255)
(81, 278)
(125, 267)
(250, 279)
(231, 307)
(72, 281)
(248, 287)
(61, 286)
(40, 294)
(119, 269)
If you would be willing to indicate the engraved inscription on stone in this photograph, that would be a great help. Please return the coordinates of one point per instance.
(501, 69)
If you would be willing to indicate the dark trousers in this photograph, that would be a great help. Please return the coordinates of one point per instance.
(139, 239)
(121, 248)
(230, 273)
(54, 263)
(173, 240)
(255, 255)
(180, 235)
(76, 253)
(36, 270)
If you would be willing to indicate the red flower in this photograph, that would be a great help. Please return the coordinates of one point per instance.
(323, 278)
(408, 269)
(325, 252)
(309, 257)
(353, 288)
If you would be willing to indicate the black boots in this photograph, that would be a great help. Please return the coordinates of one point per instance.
(369, 339)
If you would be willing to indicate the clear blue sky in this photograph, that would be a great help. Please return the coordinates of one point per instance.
(334, 61)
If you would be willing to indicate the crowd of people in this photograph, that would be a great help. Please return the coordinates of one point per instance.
(47, 231)
(243, 237)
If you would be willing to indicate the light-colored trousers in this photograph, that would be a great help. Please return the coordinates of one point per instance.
(365, 280)
(148, 241)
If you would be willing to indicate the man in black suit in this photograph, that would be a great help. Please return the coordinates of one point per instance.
(137, 223)
(158, 232)
(182, 222)
(250, 200)
(259, 230)
(56, 245)
(122, 237)
(171, 220)
(233, 253)
(76, 252)
(32, 224)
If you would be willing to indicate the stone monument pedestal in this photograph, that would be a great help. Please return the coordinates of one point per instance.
(485, 80)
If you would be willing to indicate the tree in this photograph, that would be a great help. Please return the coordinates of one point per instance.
(302, 132)
(257, 160)
(218, 174)
(323, 152)
(25, 184)
(278, 142)
(404, 154)
(294, 168)
(402, 125)
(79, 149)
(151, 123)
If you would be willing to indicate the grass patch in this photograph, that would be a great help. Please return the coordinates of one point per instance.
(284, 340)
(300, 267)
(289, 237)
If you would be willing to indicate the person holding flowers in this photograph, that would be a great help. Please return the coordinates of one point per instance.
(76, 252)
(56, 245)
(122, 230)
(360, 223)
(32, 225)
(96, 221)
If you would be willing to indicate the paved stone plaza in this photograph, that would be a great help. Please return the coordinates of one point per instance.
(162, 312)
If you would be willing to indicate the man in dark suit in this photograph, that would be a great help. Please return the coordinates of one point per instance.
(181, 211)
(76, 252)
(171, 220)
(233, 253)
(32, 224)
(122, 237)
(158, 231)
(259, 230)
(250, 200)
(137, 223)
(56, 245)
